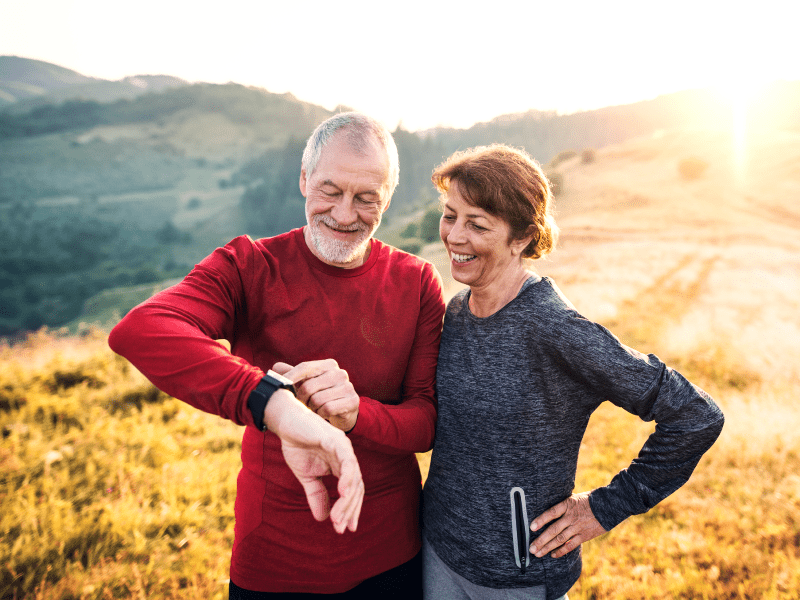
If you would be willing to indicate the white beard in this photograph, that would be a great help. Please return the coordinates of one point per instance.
(339, 251)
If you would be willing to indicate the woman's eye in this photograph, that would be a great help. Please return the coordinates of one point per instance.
(448, 218)
(477, 227)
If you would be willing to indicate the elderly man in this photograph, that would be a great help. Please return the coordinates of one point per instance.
(355, 325)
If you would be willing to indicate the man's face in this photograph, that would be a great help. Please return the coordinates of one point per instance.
(346, 196)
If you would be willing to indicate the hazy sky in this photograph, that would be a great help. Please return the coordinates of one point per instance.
(425, 63)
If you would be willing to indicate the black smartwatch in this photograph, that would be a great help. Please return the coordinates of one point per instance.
(257, 401)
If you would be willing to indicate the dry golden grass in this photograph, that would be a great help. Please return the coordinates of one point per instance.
(109, 488)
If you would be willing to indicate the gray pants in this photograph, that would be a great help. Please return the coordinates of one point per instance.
(439, 582)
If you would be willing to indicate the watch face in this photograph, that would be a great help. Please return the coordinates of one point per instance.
(281, 380)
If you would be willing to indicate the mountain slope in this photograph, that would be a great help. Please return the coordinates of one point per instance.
(24, 78)
(27, 83)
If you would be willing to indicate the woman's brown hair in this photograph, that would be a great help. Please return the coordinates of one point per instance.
(507, 183)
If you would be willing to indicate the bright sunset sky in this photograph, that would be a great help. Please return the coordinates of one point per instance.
(424, 62)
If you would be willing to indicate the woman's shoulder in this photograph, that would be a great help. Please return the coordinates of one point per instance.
(546, 298)
(457, 302)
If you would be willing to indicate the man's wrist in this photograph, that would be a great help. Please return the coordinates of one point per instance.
(281, 405)
(261, 395)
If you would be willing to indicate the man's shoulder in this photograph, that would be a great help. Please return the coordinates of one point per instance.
(244, 245)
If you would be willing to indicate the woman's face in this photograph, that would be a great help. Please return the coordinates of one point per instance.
(476, 242)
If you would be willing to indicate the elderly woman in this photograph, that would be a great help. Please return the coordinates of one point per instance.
(520, 372)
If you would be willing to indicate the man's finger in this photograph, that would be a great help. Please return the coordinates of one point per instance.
(312, 368)
(318, 499)
(351, 490)
(346, 510)
(327, 408)
(281, 368)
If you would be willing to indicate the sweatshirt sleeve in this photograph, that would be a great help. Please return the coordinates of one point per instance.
(171, 338)
(688, 421)
(410, 425)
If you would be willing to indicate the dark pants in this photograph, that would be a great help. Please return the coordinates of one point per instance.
(401, 583)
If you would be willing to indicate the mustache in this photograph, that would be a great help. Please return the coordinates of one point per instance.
(331, 222)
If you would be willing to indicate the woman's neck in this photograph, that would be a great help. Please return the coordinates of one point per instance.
(487, 299)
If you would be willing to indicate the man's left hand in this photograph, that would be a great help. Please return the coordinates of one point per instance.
(573, 523)
(326, 389)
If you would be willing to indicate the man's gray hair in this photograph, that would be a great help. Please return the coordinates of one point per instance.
(358, 128)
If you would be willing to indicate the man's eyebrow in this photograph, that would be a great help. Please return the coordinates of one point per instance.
(371, 192)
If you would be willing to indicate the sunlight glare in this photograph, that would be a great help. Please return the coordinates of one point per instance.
(739, 93)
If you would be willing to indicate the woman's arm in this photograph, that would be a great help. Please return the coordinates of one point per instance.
(687, 424)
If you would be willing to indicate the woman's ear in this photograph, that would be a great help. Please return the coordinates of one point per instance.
(518, 245)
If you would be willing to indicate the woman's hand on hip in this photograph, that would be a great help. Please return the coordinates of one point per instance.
(572, 523)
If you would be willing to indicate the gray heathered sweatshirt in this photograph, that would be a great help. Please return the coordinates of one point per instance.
(516, 390)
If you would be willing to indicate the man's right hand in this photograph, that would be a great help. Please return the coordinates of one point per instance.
(326, 389)
(312, 448)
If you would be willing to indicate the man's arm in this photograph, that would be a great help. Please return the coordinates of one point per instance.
(171, 337)
(171, 340)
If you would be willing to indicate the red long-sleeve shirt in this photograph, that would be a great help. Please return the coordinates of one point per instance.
(275, 301)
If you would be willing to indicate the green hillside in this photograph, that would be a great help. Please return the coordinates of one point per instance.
(98, 195)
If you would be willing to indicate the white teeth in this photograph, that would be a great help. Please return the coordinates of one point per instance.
(463, 257)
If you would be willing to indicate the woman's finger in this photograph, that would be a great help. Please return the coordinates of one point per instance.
(549, 538)
(552, 513)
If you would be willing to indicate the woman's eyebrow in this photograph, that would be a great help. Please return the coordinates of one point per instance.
(469, 215)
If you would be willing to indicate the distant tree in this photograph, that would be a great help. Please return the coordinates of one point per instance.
(411, 230)
(429, 227)
(168, 234)
(193, 204)
(561, 157)
(556, 180)
(412, 247)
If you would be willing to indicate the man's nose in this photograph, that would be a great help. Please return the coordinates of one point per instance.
(344, 211)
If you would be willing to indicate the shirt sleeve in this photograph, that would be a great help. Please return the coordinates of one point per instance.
(687, 420)
(410, 425)
(171, 338)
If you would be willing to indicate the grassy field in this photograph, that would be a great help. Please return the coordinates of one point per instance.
(110, 489)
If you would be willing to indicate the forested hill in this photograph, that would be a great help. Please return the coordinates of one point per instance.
(110, 184)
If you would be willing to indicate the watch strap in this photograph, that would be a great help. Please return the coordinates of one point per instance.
(257, 401)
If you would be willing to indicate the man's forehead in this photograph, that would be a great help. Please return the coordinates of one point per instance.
(340, 159)
(368, 146)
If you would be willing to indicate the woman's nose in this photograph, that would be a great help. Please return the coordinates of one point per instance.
(455, 233)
